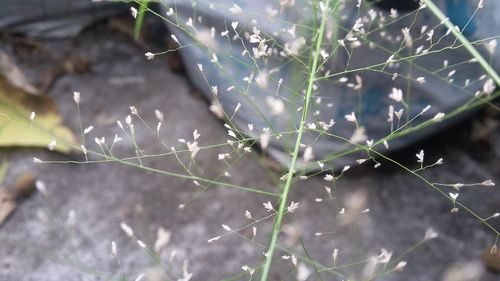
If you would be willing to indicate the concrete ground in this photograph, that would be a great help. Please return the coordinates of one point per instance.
(103, 195)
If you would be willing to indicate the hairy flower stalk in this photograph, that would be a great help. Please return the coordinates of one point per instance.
(284, 195)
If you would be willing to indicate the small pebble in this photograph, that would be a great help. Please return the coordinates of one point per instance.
(491, 259)
(24, 186)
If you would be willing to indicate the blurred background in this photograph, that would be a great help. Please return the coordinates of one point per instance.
(64, 231)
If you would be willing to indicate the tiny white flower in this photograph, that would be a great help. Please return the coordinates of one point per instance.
(324, 54)
(117, 139)
(214, 58)
(351, 117)
(438, 117)
(133, 110)
(276, 104)
(40, 186)
(84, 149)
(489, 86)
(400, 266)
(238, 106)
(488, 183)
(293, 206)
(265, 138)
(133, 11)
(214, 239)
(425, 109)
(384, 257)
(420, 156)
(231, 134)
(291, 31)
(76, 97)
(128, 120)
(358, 136)
(407, 36)
(170, 12)
(421, 80)
(399, 113)
(386, 144)
(394, 13)
(52, 145)
(430, 234)
(268, 206)
(322, 6)
(88, 130)
(328, 177)
(100, 141)
(159, 115)
(453, 196)
(235, 9)
(390, 59)
(429, 35)
(396, 94)
(303, 272)
(127, 229)
(234, 25)
(361, 161)
(215, 90)
(141, 244)
(114, 251)
(158, 127)
(491, 46)
(308, 154)
(358, 25)
(139, 278)
(149, 55)
(175, 39)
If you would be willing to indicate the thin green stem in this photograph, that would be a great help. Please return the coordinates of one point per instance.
(291, 170)
(140, 19)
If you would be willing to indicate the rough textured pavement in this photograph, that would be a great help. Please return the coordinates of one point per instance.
(104, 195)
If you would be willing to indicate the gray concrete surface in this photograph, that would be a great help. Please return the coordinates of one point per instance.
(103, 195)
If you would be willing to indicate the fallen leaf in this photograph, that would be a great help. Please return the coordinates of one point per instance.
(7, 204)
(3, 170)
(14, 75)
(16, 128)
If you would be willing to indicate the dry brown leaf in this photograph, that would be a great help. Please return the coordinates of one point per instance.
(14, 75)
(7, 204)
